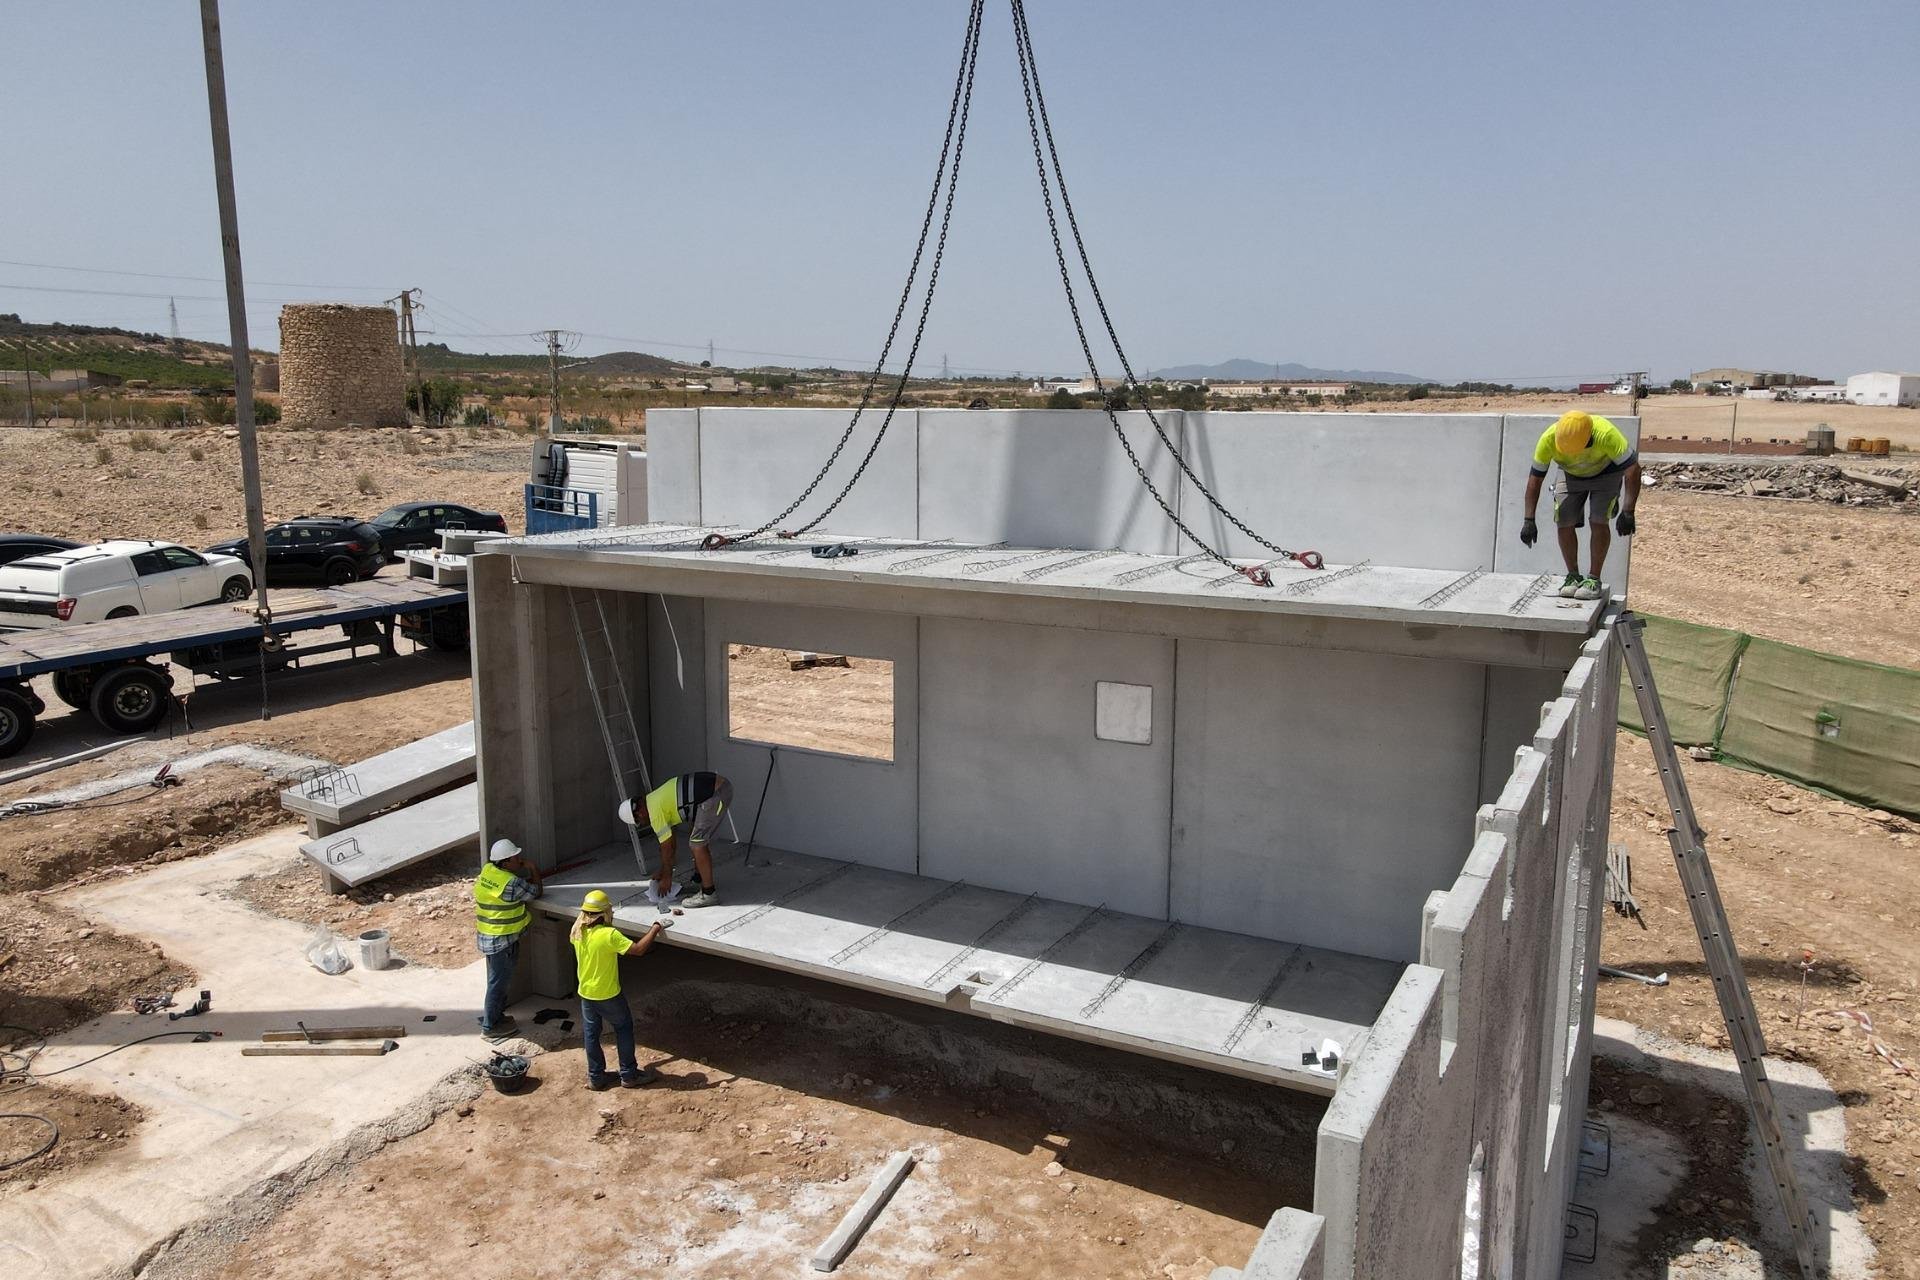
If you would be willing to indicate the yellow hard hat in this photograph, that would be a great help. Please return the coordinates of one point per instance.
(1573, 432)
(596, 901)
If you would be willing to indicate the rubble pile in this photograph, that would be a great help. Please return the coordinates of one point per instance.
(1807, 480)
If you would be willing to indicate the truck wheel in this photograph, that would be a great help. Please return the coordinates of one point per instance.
(131, 699)
(338, 573)
(16, 721)
(124, 611)
(74, 687)
(235, 589)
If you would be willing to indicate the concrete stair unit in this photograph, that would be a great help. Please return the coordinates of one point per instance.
(334, 800)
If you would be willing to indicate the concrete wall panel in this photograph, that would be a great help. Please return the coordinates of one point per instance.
(1277, 832)
(843, 807)
(1416, 490)
(1044, 479)
(753, 462)
(1519, 433)
(673, 466)
(1016, 791)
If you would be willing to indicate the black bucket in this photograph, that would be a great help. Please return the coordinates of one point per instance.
(508, 1071)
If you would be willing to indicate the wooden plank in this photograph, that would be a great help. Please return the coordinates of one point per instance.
(864, 1211)
(317, 1034)
(374, 1050)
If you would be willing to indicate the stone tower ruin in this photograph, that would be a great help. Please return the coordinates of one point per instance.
(340, 366)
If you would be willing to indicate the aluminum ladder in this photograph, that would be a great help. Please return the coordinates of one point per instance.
(1716, 941)
(619, 732)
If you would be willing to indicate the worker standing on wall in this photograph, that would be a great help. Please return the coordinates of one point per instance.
(597, 948)
(1599, 480)
(698, 798)
(500, 896)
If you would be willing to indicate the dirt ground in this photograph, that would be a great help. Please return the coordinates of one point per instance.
(767, 1124)
(90, 484)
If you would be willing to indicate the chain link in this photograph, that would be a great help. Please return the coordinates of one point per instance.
(955, 142)
(1023, 39)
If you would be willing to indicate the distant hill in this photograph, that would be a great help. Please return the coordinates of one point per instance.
(1266, 371)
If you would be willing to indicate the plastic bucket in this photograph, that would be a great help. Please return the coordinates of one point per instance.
(373, 949)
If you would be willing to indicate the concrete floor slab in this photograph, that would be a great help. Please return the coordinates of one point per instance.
(1225, 1001)
(218, 1124)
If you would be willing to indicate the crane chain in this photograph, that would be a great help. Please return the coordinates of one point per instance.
(959, 109)
(1023, 39)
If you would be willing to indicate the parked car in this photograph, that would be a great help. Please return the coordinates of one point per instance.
(18, 546)
(418, 524)
(115, 580)
(330, 549)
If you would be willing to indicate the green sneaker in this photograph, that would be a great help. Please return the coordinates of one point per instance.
(1570, 584)
(1589, 589)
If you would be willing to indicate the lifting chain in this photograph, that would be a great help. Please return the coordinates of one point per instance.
(1038, 123)
(955, 143)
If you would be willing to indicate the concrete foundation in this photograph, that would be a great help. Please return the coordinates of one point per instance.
(1134, 798)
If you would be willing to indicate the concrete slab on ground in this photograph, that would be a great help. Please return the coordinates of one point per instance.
(382, 845)
(1226, 1001)
(218, 1124)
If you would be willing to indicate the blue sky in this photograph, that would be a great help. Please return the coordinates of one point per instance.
(1511, 191)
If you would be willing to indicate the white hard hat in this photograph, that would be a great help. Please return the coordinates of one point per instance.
(626, 812)
(503, 849)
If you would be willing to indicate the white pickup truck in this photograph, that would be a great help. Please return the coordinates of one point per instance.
(115, 580)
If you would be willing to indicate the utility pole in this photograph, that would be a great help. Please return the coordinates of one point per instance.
(558, 341)
(411, 338)
(237, 323)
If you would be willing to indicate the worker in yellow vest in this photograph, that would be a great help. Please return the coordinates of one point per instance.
(597, 948)
(697, 798)
(1599, 481)
(500, 895)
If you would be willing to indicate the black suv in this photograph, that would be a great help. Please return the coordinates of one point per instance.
(418, 524)
(330, 549)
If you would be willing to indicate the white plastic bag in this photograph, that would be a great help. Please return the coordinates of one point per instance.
(324, 953)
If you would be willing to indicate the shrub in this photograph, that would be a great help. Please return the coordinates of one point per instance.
(363, 483)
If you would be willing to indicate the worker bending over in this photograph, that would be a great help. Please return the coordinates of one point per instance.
(698, 798)
(597, 948)
(1596, 462)
(500, 896)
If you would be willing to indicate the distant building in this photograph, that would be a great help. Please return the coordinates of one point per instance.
(1884, 388)
(1741, 379)
(59, 379)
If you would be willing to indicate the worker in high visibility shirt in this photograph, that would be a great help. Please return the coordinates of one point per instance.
(500, 896)
(1599, 481)
(697, 798)
(597, 948)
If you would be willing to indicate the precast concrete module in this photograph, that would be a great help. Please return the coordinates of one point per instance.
(1344, 835)
(340, 366)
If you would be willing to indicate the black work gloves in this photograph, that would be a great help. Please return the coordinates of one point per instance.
(1530, 531)
(1623, 524)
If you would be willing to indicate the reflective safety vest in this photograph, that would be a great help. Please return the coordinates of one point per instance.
(493, 914)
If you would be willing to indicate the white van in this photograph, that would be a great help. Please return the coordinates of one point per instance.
(115, 580)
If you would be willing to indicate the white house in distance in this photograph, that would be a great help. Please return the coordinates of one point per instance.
(1884, 388)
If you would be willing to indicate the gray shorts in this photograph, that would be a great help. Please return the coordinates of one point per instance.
(1572, 494)
(706, 818)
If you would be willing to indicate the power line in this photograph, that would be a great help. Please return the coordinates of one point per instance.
(161, 275)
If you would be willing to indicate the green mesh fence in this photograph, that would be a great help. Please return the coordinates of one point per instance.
(1838, 725)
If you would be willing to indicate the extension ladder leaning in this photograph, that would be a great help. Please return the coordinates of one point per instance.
(611, 706)
(1716, 940)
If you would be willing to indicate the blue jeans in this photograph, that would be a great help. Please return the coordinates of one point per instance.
(499, 976)
(616, 1012)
